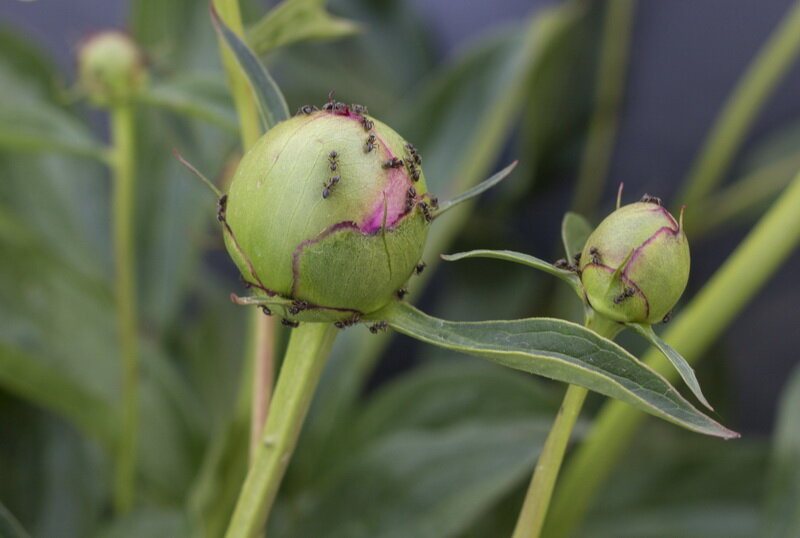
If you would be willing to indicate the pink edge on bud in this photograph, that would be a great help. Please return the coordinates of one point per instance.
(392, 204)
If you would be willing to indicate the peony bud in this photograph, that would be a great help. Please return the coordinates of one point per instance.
(330, 210)
(111, 67)
(635, 265)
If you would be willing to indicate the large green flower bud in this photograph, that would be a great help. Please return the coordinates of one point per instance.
(111, 67)
(329, 209)
(635, 265)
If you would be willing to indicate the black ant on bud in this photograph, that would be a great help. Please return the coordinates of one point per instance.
(627, 292)
(328, 189)
(649, 199)
(378, 327)
(298, 306)
(222, 204)
(332, 159)
(306, 109)
(370, 144)
(266, 311)
(288, 323)
(595, 255)
(367, 123)
(358, 110)
(402, 292)
(394, 162)
(434, 201)
(426, 211)
(345, 323)
(667, 317)
(561, 263)
(420, 267)
(411, 197)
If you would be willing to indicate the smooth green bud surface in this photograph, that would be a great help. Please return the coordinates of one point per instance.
(345, 246)
(635, 265)
(111, 67)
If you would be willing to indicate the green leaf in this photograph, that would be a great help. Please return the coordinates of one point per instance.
(478, 189)
(575, 230)
(9, 526)
(782, 510)
(29, 378)
(686, 372)
(420, 483)
(196, 95)
(560, 350)
(42, 127)
(567, 276)
(269, 98)
(297, 20)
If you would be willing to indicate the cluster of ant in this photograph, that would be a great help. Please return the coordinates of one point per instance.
(333, 165)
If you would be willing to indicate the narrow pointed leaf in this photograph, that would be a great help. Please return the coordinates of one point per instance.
(477, 189)
(575, 230)
(517, 257)
(293, 21)
(686, 372)
(269, 98)
(560, 350)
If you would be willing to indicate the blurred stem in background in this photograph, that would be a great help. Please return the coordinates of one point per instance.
(302, 367)
(537, 499)
(261, 330)
(754, 88)
(751, 265)
(124, 159)
(610, 88)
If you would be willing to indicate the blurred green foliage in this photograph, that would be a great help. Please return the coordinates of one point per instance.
(442, 450)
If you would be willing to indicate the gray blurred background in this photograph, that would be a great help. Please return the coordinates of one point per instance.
(686, 58)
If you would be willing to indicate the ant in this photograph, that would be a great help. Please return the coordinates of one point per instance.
(222, 205)
(394, 162)
(667, 317)
(298, 306)
(648, 199)
(332, 159)
(370, 145)
(266, 310)
(420, 267)
(306, 109)
(627, 292)
(595, 255)
(377, 327)
(367, 123)
(426, 211)
(411, 196)
(328, 189)
(288, 323)
(345, 323)
(402, 292)
(358, 110)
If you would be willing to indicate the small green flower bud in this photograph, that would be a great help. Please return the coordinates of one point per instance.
(111, 67)
(635, 265)
(329, 209)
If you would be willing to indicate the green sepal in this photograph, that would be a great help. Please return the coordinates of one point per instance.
(684, 369)
(508, 255)
(480, 188)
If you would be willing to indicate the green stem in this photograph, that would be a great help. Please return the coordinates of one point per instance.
(123, 132)
(302, 367)
(261, 330)
(753, 263)
(747, 99)
(537, 499)
(617, 31)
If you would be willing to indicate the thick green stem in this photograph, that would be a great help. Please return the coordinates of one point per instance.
(123, 132)
(617, 31)
(261, 337)
(537, 499)
(753, 263)
(742, 107)
(302, 367)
